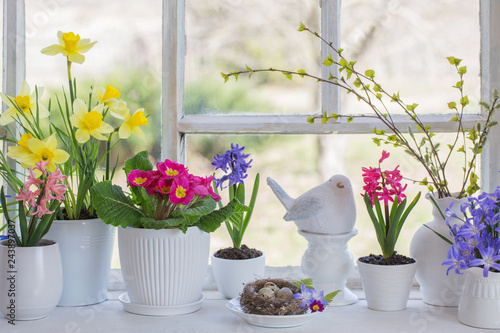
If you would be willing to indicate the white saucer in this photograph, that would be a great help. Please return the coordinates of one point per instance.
(151, 310)
(269, 321)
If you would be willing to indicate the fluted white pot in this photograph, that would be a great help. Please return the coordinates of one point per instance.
(163, 268)
(30, 280)
(479, 304)
(430, 251)
(232, 275)
(387, 287)
(86, 248)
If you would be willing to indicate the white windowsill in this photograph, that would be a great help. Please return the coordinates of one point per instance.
(214, 317)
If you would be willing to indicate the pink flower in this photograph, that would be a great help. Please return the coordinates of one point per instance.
(316, 305)
(139, 178)
(164, 185)
(171, 169)
(180, 193)
(385, 155)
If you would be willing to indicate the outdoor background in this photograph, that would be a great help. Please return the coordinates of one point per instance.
(405, 42)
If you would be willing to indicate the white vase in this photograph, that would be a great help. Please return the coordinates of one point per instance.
(31, 288)
(430, 251)
(480, 301)
(86, 248)
(387, 287)
(232, 275)
(329, 263)
(163, 268)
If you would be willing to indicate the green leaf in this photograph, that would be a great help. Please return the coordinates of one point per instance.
(302, 72)
(349, 119)
(370, 73)
(328, 61)
(454, 61)
(329, 297)
(378, 95)
(212, 221)
(334, 116)
(357, 83)
(225, 77)
(412, 107)
(288, 75)
(455, 118)
(113, 207)
(464, 100)
(343, 63)
(452, 105)
(308, 283)
(302, 27)
(139, 162)
(310, 120)
(462, 70)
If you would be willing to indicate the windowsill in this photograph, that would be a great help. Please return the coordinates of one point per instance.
(214, 317)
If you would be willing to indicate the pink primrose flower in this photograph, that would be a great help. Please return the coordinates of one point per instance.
(139, 178)
(164, 185)
(180, 192)
(171, 169)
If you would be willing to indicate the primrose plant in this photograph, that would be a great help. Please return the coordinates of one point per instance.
(234, 164)
(385, 186)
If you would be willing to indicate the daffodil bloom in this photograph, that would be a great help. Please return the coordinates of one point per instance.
(26, 102)
(132, 124)
(21, 152)
(109, 97)
(45, 151)
(89, 122)
(70, 46)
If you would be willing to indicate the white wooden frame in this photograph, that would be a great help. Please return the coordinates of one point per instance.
(175, 125)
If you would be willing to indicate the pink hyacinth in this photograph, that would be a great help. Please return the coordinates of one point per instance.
(383, 185)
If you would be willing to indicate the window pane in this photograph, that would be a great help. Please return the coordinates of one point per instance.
(406, 43)
(226, 35)
(127, 57)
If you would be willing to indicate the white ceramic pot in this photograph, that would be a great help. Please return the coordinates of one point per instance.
(480, 301)
(387, 287)
(329, 263)
(430, 251)
(31, 288)
(232, 275)
(163, 268)
(86, 248)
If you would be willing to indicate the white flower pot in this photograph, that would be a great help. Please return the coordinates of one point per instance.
(430, 251)
(86, 248)
(387, 287)
(164, 268)
(232, 275)
(31, 288)
(480, 301)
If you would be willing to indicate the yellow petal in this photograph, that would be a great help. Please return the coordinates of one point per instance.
(25, 89)
(8, 116)
(82, 135)
(140, 133)
(105, 128)
(84, 45)
(35, 145)
(51, 142)
(76, 57)
(125, 131)
(79, 108)
(53, 49)
(60, 156)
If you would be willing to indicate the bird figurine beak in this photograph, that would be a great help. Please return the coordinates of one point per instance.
(340, 185)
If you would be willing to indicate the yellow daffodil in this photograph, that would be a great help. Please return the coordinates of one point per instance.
(26, 102)
(89, 122)
(109, 97)
(132, 124)
(71, 46)
(35, 150)
(22, 153)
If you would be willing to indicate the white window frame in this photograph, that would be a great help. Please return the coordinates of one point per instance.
(175, 125)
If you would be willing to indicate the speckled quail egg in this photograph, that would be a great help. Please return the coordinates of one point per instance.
(272, 286)
(266, 292)
(284, 293)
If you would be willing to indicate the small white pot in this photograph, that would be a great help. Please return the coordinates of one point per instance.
(232, 275)
(163, 268)
(86, 248)
(31, 288)
(387, 287)
(480, 301)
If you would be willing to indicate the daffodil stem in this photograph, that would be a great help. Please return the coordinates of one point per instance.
(71, 93)
(108, 155)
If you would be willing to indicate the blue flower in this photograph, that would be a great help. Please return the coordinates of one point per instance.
(455, 260)
(233, 163)
(488, 260)
(306, 295)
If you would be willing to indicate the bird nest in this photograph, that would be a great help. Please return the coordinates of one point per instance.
(252, 302)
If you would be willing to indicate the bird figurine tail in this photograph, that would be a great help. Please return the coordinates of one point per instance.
(285, 199)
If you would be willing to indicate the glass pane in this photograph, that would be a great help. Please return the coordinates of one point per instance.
(226, 35)
(299, 163)
(406, 44)
(127, 57)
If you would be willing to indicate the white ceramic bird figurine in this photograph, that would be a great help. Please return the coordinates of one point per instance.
(328, 208)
